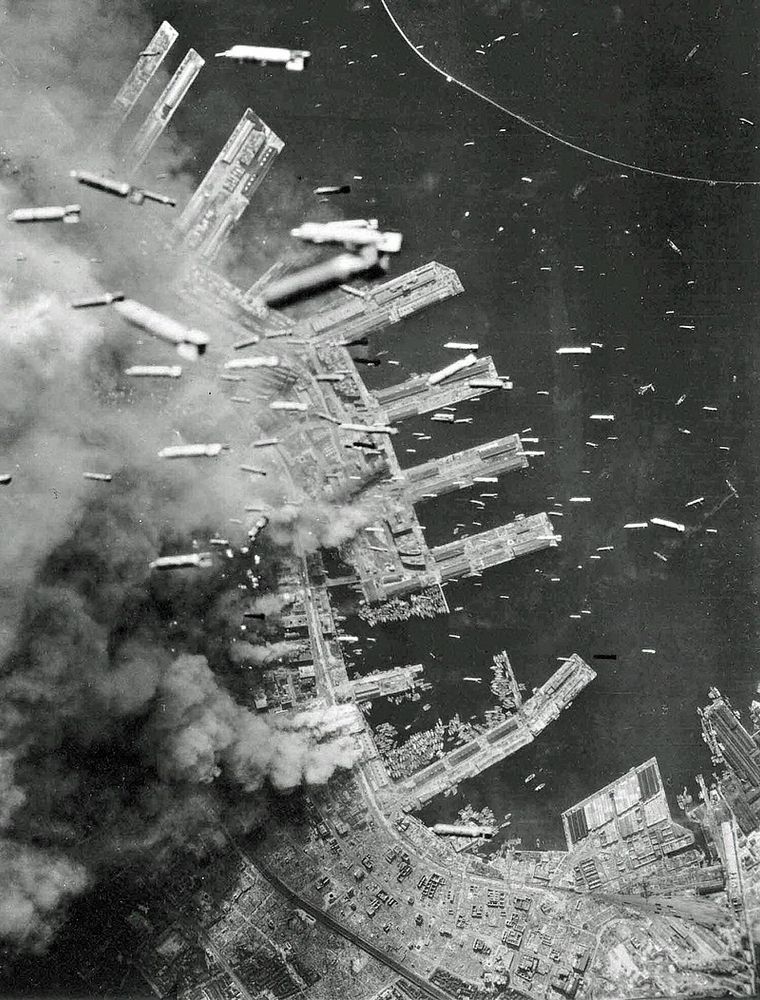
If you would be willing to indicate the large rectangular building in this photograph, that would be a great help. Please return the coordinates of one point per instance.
(625, 807)
(502, 740)
(738, 750)
(460, 469)
(163, 110)
(384, 683)
(142, 73)
(381, 305)
(226, 190)
(498, 545)
(416, 395)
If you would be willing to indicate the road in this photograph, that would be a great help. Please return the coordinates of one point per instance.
(209, 945)
(322, 658)
(357, 939)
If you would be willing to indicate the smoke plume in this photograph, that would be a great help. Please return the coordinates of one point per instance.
(272, 604)
(34, 885)
(321, 525)
(116, 735)
(247, 653)
(201, 731)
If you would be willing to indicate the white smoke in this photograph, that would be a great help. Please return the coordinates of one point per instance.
(34, 884)
(318, 524)
(11, 796)
(201, 733)
(272, 604)
(247, 653)
(78, 551)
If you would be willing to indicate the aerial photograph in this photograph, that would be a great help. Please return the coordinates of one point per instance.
(379, 425)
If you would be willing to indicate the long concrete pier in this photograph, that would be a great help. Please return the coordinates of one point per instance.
(501, 741)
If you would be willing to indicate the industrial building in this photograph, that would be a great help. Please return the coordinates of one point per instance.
(435, 923)
(416, 395)
(500, 741)
(226, 190)
(498, 545)
(460, 469)
(629, 806)
(380, 305)
(731, 745)
(142, 73)
(384, 683)
(163, 110)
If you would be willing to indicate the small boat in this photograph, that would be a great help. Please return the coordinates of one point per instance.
(530, 777)
(540, 786)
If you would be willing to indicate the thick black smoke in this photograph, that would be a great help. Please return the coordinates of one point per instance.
(116, 735)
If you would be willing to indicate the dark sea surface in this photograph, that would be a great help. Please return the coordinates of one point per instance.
(625, 87)
(619, 80)
(468, 206)
(622, 87)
